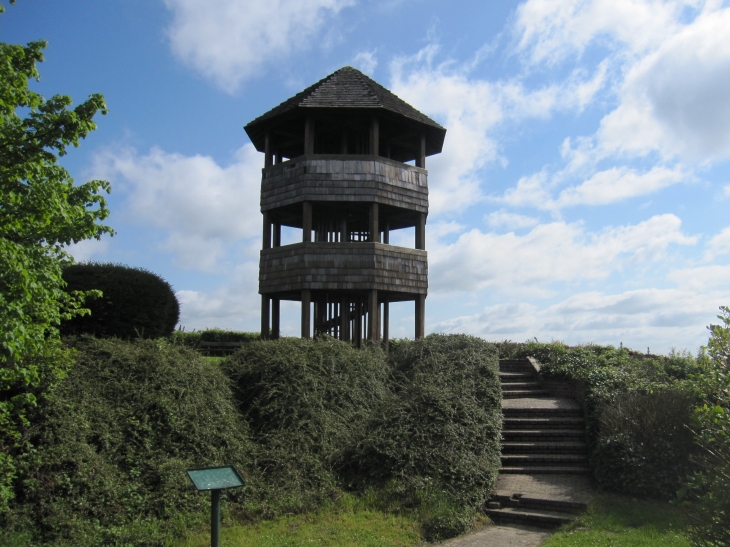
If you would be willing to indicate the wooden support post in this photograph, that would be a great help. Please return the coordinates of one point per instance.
(268, 151)
(344, 318)
(277, 235)
(264, 317)
(373, 315)
(421, 231)
(307, 221)
(306, 313)
(267, 232)
(386, 233)
(308, 135)
(343, 230)
(343, 142)
(420, 315)
(278, 156)
(421, 152)
(373, 226)
(275, 318)
(386, 323)
(374, 137)
(357, 335)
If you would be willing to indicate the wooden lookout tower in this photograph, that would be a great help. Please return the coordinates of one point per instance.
(335, 166)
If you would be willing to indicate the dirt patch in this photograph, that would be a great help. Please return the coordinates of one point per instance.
(500, 536)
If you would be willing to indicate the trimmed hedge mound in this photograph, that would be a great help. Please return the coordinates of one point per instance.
(115, 440)
(135, 302)
(422, 425)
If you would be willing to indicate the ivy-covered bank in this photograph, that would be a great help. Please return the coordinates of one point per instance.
(304, 421)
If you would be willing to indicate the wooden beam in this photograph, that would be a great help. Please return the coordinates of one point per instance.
(386, 233)
(421, 231)
(374, 137)
(306, 221)
(309, 135)
(420, 315)
(386, 322)
(264, 317)
(344, 319)
(266, 232)
(373, 315)
(374, 235)
(277, 235)
(275, 318)
(421, 152)
(306, 313)
(268, 151)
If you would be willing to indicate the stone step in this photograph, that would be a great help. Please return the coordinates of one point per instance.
(528, 501)
(507, 378)
(545, 470)
(554, 422)
(541, 412)
(534, 517)
(521, 385)
(521, 393)
(544, 447)
(543, 435)
(518, 460)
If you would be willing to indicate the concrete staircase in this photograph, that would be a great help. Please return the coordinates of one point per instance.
(544, 475)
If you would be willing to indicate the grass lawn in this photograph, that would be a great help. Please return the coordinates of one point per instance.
(618, 521)
(346, 528)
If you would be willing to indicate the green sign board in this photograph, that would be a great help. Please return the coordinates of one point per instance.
(215, 478)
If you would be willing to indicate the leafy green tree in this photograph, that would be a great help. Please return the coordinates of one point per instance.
(706, 497)
(42, 211)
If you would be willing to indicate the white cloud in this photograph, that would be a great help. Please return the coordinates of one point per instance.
(199, 205)
(510, 221)
(473, 111)
(639, 319)
(551, 30)
(233, 305)
(366, 62)
(549, 253)
(675, 99)
(229, 41)
(718, 245)
(701, 277)
(85, 250)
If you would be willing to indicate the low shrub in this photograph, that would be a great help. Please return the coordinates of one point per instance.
(135, 302)
(112, 445)
(644, 445)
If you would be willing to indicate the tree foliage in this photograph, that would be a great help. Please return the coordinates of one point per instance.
(41, 212)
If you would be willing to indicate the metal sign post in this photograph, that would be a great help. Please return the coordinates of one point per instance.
(215, 479)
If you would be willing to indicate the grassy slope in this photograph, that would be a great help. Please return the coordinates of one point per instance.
(619, 521)
(612, 520)
(327, 528)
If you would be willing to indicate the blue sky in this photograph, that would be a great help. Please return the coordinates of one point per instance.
(582, 193)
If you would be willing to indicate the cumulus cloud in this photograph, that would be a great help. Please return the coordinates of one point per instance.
(366, 62)
(548, 254)
(88, 249)
(655, 318)
(474, 110)
(510, 221)
(228, 41)
(548, 31)
(199, 205)
(718, 245)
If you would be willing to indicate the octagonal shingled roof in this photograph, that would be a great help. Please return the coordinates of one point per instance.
(345, 88)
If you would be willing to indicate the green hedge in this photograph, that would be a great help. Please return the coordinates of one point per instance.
(115, 440)
(421, 425)
(135, 302)
(192, 339)
(302, 420)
